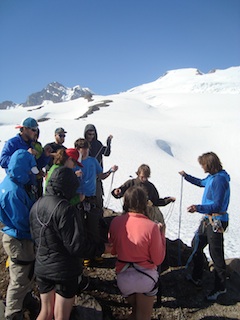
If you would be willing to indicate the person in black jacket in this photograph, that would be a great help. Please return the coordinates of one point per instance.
(97, 150)
(154, 201)
(60, 240)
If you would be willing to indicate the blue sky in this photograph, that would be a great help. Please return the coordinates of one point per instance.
(111, 46)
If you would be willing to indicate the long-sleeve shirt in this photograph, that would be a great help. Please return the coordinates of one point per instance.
(216, 194)
(150, 189)
(136, 238)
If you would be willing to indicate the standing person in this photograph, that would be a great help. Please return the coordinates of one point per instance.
(90, 171)
(24, 140)
(15, 205)
(214, 207)
(87, 189)
(154, 201)
(140, 248)
(60, 240)
(97, 150)
(59, 135)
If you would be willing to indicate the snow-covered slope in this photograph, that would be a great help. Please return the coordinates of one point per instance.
(165, 129)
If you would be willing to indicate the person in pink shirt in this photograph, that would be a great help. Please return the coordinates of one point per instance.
(140, 248)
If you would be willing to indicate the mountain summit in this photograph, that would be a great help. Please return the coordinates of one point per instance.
(55, 92)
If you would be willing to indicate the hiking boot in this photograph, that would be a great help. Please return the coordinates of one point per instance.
(196, 282)
(32, 303)
(213, 295)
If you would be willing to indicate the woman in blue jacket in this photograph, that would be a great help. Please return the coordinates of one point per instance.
(214, 207)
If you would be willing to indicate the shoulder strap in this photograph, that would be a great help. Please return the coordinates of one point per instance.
(45, 224)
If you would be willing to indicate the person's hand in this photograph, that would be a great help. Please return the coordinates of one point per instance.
(48, 150)
(81, 197)
(182, 173)
(117, 191)
(114, 168)
(192, 208)
(79, 173)
(109, 140)
(41, 173)
(161, 227)
(149, 203)
(32, 151)
(173, 199)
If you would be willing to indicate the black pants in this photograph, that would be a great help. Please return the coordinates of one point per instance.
(205, 235)
(99, 194)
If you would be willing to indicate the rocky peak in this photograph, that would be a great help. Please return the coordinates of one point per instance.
(55, 92)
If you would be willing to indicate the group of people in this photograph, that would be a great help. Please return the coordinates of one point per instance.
(42, 198)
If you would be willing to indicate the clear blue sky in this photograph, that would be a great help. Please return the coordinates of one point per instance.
(111, 45)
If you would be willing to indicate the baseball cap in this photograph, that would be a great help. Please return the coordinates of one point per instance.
(74, 154)
(60, 130)
(28, 123)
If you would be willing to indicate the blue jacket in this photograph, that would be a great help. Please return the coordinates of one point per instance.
(15, 203)
(216, 194)
(16, 143)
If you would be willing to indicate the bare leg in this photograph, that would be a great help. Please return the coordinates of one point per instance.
(63, 307)
(144, 306)
(47, 306)
(132, 301)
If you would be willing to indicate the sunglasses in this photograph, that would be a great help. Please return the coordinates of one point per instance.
(62, 135)
(33, 129)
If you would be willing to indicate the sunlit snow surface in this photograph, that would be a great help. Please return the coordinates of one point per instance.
(166, 124)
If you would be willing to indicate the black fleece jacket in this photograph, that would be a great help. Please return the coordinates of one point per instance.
(58, 230)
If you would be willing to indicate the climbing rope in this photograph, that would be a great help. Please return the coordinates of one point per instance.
(109, 192)
(168, 215)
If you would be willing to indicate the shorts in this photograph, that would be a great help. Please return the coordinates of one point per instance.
(66, 288)
(132, 281)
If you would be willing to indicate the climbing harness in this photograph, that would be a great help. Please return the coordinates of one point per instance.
(129, 264)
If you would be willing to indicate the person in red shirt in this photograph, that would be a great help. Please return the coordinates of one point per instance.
(140, 248)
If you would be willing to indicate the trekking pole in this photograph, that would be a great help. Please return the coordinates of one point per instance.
(179, 224)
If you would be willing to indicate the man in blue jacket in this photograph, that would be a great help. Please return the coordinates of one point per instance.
(15, 205)
(24, 140)
(214, 207)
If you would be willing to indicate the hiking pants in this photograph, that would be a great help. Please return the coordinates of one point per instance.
(99, 193)
(21, 254)
(206, 235)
